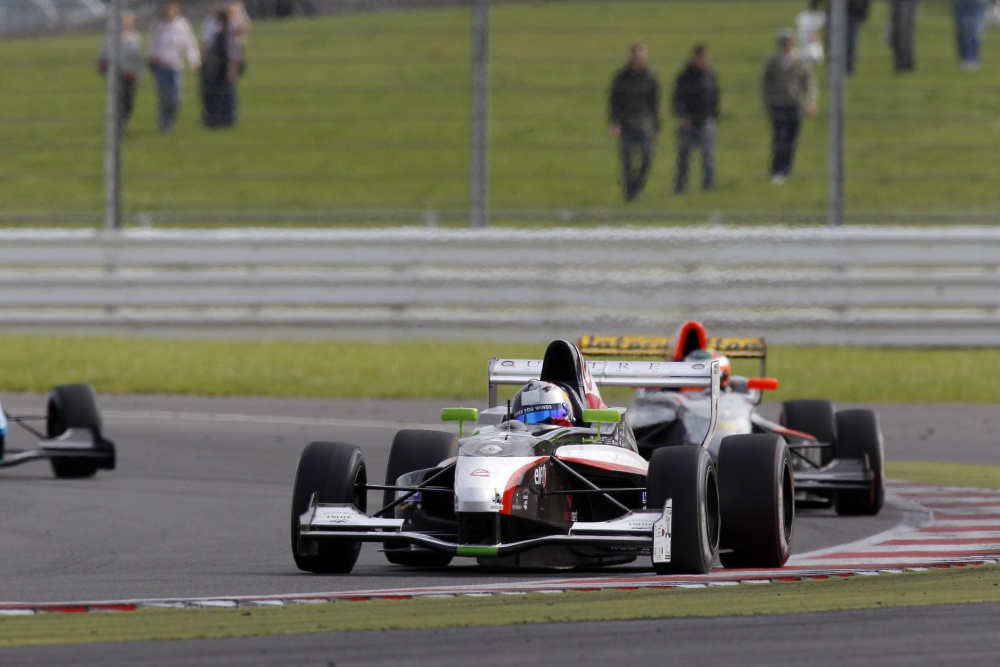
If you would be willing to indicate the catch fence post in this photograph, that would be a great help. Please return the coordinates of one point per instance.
(112, 118)
(479, 205)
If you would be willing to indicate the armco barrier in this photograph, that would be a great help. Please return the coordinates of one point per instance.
(895, 286)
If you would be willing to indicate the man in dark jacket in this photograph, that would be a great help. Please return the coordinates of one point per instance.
(857, 13)
(696, 106)
(902, 21)
(634, 116)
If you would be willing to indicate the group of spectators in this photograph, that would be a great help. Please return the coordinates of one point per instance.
(969, 18)
(217, 57)
(789, 92)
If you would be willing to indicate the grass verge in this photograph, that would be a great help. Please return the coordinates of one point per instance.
(419, 369)
(960, 585)
(972, 584)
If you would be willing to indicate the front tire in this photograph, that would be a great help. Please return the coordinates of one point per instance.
(686, 474)
(757, 494)
(415, 450)
(72, 406)
(333, 471)
(859, 436)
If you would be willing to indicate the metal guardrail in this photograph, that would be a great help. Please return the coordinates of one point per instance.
(891, 286)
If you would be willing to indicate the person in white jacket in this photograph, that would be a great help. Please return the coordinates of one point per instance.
(171, 43)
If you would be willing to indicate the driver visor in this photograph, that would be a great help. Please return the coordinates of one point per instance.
(545, 414)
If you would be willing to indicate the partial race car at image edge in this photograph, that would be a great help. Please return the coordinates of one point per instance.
(72, 441)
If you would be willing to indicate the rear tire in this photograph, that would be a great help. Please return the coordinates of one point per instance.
(757, 499)
(332, 471)
(72, 406)
(859, 436)
(415, 450)
(815, 417)
(686, 474)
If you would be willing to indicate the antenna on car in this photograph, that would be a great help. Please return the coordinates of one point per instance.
(508, 414)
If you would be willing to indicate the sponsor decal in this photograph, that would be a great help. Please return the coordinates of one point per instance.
(643, 500)
(480, 472)
(415, 498)
(662, 530)
(540, 475)
(490, 449)
(521, 500)
(497, 503)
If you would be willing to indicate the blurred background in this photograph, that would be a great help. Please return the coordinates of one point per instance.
(356, 111)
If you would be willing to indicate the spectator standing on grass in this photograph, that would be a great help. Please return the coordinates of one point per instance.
(696, 107)
(221, 35)
(789, 91)
(129, 66)
(902, 21)
(857, 13)
(634, 117)
(970, 22)
(171, 43)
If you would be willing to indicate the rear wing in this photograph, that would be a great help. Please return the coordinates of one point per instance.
(662, 346)
(634, 374)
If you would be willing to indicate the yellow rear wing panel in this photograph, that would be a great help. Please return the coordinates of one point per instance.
(661, 346)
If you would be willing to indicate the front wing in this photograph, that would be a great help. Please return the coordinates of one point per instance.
(838, 475)
(634, 530)
(75, 443)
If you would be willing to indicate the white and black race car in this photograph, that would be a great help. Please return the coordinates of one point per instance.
(73, 440)
(545, 495)
(838, 456)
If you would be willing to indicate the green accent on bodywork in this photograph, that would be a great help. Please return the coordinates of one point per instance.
(460, 415)
(608, 416)
(476, 552)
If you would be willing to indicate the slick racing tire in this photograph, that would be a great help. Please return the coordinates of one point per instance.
(333, 471)
(860, 437)
(757, 500)
(72, 406)
(686, 474)
(815, 417)
(415, 450)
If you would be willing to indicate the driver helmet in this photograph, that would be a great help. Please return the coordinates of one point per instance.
(542, 403)
(725, 368)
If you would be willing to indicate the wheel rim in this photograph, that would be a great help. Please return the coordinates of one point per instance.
(786, 501)
(710, 514)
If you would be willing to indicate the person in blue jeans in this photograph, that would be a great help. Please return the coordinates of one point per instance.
(970, 20)
(696, 106)
(789, 91)
(171, 43)
(634, 119)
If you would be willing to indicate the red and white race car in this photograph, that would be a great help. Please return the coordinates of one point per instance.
(838, 454)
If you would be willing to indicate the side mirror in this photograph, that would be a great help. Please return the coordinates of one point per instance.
(763, 384)
(607, 416)
(460, 415)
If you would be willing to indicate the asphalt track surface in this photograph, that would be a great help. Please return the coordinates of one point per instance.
(200, 503)
(905, 637)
